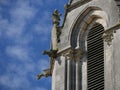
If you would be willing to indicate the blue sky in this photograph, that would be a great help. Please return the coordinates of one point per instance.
(25, 31)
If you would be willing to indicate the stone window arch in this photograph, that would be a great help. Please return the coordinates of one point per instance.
(79, 34)
(83, 22)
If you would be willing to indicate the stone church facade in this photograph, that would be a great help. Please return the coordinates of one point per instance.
(85, 53)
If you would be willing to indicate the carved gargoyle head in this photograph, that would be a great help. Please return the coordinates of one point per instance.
(45, 73)
(51, 53)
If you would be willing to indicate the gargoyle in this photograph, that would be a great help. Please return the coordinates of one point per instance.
(51, 53)
(45, 73)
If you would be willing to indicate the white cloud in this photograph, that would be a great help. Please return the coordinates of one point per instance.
(14, 82)
(18, 52)
(16, 76)
(22, 11)
(14, 29)
(20, 14)
(42, 27)
(43, 31)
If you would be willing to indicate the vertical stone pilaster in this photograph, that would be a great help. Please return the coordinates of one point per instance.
(68, 71)
(78, 75)
(73, 74)
(78, 57)
(69, 75)
(73, 57)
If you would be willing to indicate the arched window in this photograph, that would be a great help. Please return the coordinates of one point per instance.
(95, 63)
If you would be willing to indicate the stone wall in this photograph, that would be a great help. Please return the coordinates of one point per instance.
(116, 59)
(78, 20)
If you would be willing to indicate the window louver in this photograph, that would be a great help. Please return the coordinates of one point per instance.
(95, 65)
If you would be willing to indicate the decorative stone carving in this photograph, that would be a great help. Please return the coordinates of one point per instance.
(74, 54)
(45, 73)
(56, 30)
(108, 36)
(56, 17)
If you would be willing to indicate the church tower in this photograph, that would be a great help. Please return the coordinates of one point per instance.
(85, 53)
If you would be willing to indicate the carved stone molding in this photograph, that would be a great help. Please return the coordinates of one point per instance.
(108, 36)
(73, 4)
(73, 54)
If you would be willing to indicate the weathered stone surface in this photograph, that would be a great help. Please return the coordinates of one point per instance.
(78, 21)
(58, 77)
(116, 60)
(108, 6)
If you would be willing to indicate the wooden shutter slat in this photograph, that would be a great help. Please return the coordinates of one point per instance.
(95, 65)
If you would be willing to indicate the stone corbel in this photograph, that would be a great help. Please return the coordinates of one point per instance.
(108, 36)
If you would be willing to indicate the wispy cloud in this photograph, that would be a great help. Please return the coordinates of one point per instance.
(14, 82)
(24, 26)
(20, 75)
(20, 14)
(18, 52)
(22, 11)
(42, 27)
